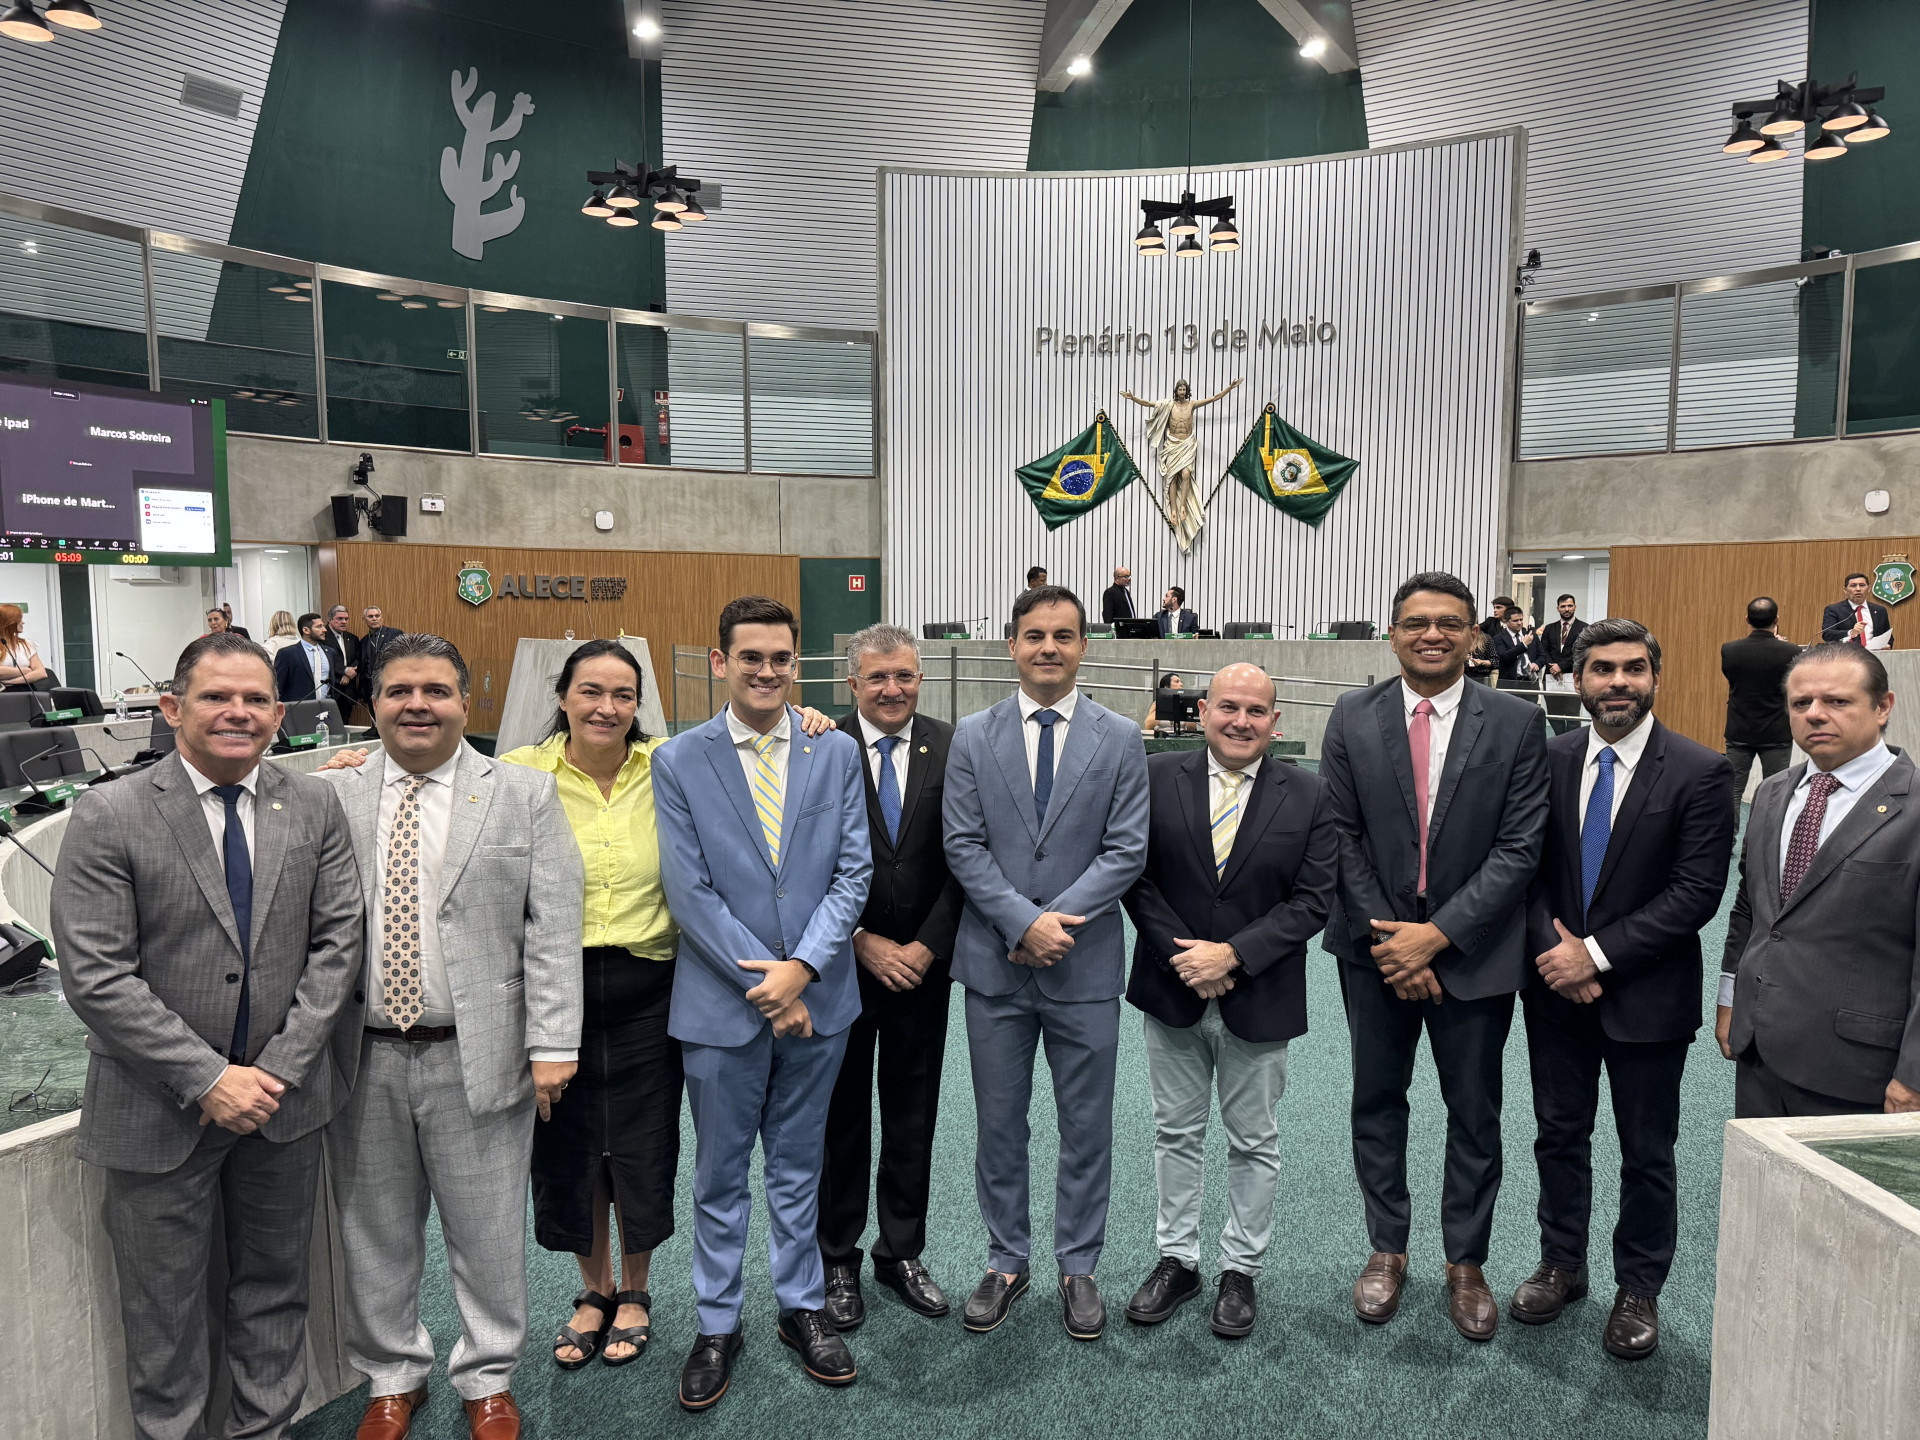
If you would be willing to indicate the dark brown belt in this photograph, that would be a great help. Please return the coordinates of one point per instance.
(425, 1034)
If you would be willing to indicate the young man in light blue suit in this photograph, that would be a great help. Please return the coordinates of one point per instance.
(765, 859)
(1046, 816)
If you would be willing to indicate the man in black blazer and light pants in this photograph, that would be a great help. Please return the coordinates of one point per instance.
(1440, 797)
(1640, 829)
(904, 947)
(1241, 864)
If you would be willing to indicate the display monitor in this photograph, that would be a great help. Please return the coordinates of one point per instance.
(92, 475)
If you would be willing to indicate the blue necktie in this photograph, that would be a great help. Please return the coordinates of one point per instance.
(1043, 765)
(239, 866)
(1596, 830)
(889, 787)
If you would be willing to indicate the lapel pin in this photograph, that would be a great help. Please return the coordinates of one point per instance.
(923, 749)
(276, 805)
(1883, 809)
(806, 749)
(474, 798)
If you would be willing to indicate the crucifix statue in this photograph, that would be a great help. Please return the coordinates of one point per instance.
(1170, 429)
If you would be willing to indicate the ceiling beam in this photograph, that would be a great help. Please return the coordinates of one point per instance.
(1073, 28)
(1325, 20)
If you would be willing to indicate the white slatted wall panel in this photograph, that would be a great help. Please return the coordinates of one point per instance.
(791, 106)
(1625, 105)
(1407, 252)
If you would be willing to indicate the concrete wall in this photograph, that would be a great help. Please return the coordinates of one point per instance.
(278, 493)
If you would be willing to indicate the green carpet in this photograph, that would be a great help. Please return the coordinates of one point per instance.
(1309, 1369)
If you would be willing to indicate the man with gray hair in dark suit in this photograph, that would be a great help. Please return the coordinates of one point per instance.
(207, 914)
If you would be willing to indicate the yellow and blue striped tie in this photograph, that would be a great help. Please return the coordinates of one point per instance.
(1226, 819)
(766, 793)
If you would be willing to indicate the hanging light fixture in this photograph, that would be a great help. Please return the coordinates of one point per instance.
(23, 22)
(1834, 118)
(623, 220)
(74, 14)
(672, 196)
(670, 202)
(1768, 152)
(1846, 116)
(1874, 129)
(666, 220)
(623, 196)
(691, 212)
(1744, 138)
(1826, 146)
(1186, 212)
(1782, 121)
(597, 206)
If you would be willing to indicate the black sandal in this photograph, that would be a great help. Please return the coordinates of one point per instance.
(587, 1345)
(634, 1335)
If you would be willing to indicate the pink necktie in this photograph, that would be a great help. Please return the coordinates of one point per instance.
(1420, 742)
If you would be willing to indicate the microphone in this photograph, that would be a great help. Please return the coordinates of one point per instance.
(143, 674)
(6, 833)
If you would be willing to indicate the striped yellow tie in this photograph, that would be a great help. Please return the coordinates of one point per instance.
(1226, 819)
(766, 793)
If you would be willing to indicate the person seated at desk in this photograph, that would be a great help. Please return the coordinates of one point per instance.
(1173, 617)
(1167, 682)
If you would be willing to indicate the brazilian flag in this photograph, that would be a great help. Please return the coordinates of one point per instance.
(1088, 470)
(1290, 472)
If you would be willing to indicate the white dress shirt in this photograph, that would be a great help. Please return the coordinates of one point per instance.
(1446, 705)
(1626, 759)
(871, 735)
(321, 667)
(436, 815)
(1029, 707)
(1215, 785)
(215, 809)
(745, 737)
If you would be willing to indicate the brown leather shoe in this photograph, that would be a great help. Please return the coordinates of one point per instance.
(1633, 1329)
(1545, 1293)
(494, 1417)
(1471, 1303)
(1376, 1294)
(389, 1417)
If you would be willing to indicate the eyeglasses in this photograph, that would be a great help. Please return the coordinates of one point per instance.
(1414, 626)
(785, 663)
(902, 678)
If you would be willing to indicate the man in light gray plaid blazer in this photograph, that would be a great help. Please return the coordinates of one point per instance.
(207, 917)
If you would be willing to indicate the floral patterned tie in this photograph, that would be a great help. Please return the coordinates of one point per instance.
(401, 993)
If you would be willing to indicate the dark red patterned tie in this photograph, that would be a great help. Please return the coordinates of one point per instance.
(1806, 835)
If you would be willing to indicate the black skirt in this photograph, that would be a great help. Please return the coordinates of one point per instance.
(620, 1116)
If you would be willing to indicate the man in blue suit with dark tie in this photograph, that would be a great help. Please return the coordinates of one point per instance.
(765, 860)
(1046, 816)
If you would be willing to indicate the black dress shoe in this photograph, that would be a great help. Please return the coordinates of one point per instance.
(992, 1298)
(1545, 1293)
(1234, 1310)
(910, 1281)
(1082, 1308)
(1633, 1329)
(822, 1351)
(845, 1307)
(704, 1378)
(1169, 1286)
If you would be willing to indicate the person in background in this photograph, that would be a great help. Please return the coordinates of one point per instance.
(345, 646)
(1496, 615)
(20, 665)
(1856, 620)
(1513, 649)
(1819, 982)
(1756, 671)
(1640, 826)
(1036, 575)
(1173, 617)
(378, 636)
(304, 671)
(208, 917)
(1116, 603)
(1554, 648)
(281, 632)
(1481, 665)
(217, 621)
(240, 630)
(1167, 683)
(904, 948)
(1224, 915)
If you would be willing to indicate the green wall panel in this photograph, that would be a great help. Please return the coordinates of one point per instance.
(1254, 96)
(829, 608)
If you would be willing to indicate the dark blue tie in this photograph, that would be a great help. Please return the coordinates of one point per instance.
(239, 866)
(1596, 830)
(889, 787)
(1043, 765)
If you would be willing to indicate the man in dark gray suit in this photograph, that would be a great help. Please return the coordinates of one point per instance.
(1440, 795)
(1046, 828)
(207, 914)
(1819, 989)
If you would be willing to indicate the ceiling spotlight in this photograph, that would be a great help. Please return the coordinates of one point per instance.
(300, 299)
(669, 201)
(1783, 121)
(1189, 247)
(303, 284)
(23, 22)
(1874, 129)
(1768, 152)
(413, 304)
(1315, 47)
(1184, 224)
(388, 295)
(451, 304)
(597, 206)
(692, 211)
(288, 290)
(1079, 65)
(243, 394)
(1826, 146)
(623, 219)
(74, 14)
(666, 220)
(647, 28)
(1743, 139)
(1849, 115)
(495, 309)
(622, 197)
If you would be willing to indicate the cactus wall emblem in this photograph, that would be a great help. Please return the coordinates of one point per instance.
(464, 177)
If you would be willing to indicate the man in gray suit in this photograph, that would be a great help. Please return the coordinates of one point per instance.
(1819, 988)
(210, 996)
(468, 1022)
(1046, 828)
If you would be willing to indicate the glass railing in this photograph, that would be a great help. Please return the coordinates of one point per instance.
(315, 352)
(1798, 352)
